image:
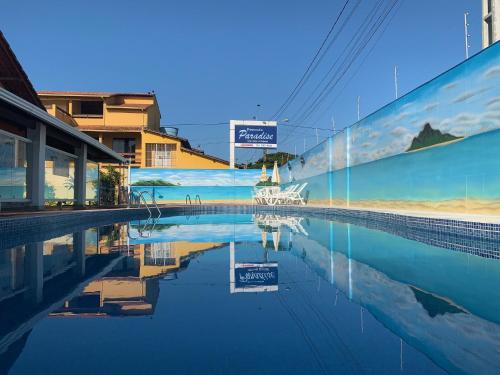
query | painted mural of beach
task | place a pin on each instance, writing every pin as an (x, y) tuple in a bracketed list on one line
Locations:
[(434, 149), (447, 178), (212, 186)]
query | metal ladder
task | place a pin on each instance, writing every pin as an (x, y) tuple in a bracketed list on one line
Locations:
[(195, 208), (197, 199), (143, 201), (150, 221)]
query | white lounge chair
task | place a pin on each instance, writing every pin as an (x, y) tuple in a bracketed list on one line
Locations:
[(294, 195), (279, 197), (262, 195)]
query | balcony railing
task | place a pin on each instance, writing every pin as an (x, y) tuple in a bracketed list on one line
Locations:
[(62, 115), (134, 157)]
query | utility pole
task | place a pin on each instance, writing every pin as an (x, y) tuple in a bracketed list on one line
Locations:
[(333, 124), (467, 36), (264, 150), (359, 98), (317, 137), (396, 80)]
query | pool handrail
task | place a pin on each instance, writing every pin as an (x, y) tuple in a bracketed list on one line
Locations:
[(153, 200)]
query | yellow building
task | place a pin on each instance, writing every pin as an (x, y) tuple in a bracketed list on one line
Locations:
[(129, 123)]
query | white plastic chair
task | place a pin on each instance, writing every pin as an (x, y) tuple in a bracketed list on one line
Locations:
[(295, 197), (283, 196)]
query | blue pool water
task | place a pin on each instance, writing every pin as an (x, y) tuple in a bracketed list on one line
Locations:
[(247, 294)]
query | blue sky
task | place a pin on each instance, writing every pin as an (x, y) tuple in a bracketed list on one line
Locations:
[(214, 61)]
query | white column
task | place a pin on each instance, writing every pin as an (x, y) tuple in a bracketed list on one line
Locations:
[(231, 267), (36, 165), (81, 175), (231, 144), (34, 274), (490, 20), (79, 251)]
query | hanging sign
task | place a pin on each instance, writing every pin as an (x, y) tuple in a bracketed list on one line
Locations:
[(256, 136)]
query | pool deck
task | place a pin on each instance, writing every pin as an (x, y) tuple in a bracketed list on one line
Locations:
[(475, 218)]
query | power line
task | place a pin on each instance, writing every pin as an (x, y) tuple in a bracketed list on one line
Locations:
[(347, 62), (197, 124), (347, 51), (356, 71), (348, 17), (306, 73)]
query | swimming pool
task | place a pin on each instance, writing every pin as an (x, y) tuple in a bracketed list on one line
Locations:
[(231, 293)]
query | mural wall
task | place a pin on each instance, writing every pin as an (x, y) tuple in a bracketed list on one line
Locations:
[(211, 185), (436, 148)]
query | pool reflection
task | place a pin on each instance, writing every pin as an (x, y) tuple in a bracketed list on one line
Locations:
[(344, 296)]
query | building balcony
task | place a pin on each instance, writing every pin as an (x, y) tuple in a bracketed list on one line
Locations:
[(134, 157)]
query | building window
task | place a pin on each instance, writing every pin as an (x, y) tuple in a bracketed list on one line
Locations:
[(160, 155), (88, 108), (60, 167), (159, 254), (13, 164), (59, 175), (124, 145), (7, 152)]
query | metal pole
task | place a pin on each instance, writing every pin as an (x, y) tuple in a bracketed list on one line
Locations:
[(396, 80), (358, 108), (231, 267), (466, 31), (231, 144), (317, 137)]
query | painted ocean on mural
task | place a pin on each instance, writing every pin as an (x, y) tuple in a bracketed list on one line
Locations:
[(210, 185), (434, 148), (12, 183), (213, 228)]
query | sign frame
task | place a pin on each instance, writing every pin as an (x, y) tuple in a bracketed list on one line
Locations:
[(260, 285), (251, 124)]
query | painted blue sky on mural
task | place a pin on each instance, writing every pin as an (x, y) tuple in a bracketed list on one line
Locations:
[(199, 177), (463, 101)]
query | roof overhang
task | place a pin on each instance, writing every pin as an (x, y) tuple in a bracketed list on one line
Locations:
[(90, 94), (44, 117), (203, 155), (12, 75)]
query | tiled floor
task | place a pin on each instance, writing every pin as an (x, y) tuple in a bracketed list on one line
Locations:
[(494, 219)]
